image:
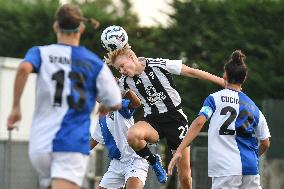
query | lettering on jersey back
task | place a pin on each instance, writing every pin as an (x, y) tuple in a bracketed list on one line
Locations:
[(59, 60), (229, 99)]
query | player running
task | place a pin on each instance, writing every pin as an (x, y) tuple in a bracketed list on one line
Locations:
[(69, 79)]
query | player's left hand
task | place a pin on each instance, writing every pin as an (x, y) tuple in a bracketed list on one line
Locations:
[(13, 118), (177, 156)]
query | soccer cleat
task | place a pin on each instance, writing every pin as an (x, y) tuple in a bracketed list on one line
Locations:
[(159, 170)]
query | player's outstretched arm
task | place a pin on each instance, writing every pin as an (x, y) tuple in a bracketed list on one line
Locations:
[(200, 74), (23, 72), (193, 131)]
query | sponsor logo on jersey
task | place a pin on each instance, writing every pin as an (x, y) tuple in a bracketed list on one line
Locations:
[(154, 96)]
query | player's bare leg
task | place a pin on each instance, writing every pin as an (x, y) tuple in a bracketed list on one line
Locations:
[(137, 136), (58, 183), (140, 133), (184, 171), (134, 183)]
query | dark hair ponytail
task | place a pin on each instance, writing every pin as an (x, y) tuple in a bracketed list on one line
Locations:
[(93, 22), (236, 68), (238, 57), (70, 16)]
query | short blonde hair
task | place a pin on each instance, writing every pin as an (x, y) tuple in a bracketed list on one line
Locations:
[(112, 55)]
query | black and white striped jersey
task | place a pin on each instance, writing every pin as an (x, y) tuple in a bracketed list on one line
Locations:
[(155, 86)]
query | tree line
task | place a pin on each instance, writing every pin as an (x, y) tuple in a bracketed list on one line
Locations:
[(201, 32)]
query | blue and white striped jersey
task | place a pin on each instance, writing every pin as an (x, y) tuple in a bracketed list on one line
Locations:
[(68, 82), (111, 130), (235, 127)]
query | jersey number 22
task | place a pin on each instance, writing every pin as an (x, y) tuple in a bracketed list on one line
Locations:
[(241, 129)]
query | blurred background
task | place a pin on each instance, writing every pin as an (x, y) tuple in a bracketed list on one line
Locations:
[(203, 33)]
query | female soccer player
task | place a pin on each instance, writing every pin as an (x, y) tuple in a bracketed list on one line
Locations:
[(151, 80), (69, 78), (126, 167), (235, 127)]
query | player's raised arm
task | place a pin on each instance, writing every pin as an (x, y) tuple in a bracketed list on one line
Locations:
[(200, 74), (176, 67)]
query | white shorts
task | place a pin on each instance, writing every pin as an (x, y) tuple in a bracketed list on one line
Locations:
[(119, 172), (236, 182), (65, 165)]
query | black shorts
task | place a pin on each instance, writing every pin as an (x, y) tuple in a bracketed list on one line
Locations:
[(172, 125)]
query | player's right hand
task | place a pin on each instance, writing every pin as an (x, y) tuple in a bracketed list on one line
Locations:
[(13, 118), (177, 156)]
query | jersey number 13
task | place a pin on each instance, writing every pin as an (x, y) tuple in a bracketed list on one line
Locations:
[(78, 85)]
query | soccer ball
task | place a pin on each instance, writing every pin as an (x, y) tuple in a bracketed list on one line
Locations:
[(114, 37)]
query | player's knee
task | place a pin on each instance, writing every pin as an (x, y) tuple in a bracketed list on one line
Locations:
[(185, 177), (132, 137), (185, 180)]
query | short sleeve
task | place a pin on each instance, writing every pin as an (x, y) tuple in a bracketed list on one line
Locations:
[(97, 135), (208, 107), (33, 56), (262, 130), (108, 90), (174, 66)]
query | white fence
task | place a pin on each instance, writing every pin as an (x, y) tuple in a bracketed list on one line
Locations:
[(8, 67)]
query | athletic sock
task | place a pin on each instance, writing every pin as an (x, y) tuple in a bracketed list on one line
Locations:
[(147, 154)]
